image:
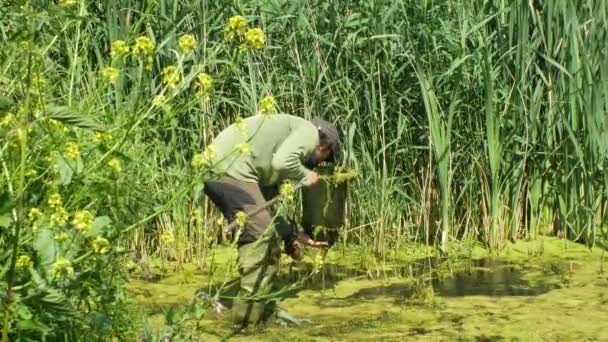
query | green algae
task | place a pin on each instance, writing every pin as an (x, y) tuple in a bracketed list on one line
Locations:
[(399, 301)]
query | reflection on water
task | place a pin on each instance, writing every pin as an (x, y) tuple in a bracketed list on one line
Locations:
[(484, 277), (491, 278)]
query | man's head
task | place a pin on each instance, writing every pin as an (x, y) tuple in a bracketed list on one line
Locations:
[(329, 143)]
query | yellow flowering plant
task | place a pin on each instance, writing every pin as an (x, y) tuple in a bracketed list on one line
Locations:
[(102, 137), (203, 85), (241, 219), (144, 49), (171, 76), (187, 44), (57, 152), (72, 150), (267, 104), (235, 28), (82, 221), (24, 261), (110, 74), (119, 49), (255, 38), (115, 166)]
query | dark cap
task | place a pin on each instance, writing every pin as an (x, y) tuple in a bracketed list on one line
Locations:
[(330, 134)]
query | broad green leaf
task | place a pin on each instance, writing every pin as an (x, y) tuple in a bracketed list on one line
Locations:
[(46, 247), (197, 192), (5, 221), (99, 226), (5, 103), (65, 171), (33, 325), (70, 117), (53, 300)]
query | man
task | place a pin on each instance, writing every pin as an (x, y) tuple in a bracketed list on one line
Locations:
[(255, 156)]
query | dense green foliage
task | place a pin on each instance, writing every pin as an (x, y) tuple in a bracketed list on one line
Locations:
[(464, 119)]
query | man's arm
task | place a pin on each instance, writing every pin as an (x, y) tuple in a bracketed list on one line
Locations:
[(287, 158)]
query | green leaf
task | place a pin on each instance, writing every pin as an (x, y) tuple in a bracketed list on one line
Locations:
[(5, 203), (70, 117), (23, 312), (66, 172), (46, 247), (99, 226), (5, 221), (33, 326), (5, 103), (197, 192)]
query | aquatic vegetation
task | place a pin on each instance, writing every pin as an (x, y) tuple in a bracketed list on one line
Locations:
[(448, 307)]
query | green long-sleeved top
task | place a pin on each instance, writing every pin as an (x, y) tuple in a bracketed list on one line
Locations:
[(278, 146)]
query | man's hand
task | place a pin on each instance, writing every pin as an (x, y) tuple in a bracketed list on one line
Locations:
[(296, 251), (313, 178), (304, 240)]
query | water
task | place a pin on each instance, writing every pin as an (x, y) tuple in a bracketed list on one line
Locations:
[(492, 278), (484, 277)]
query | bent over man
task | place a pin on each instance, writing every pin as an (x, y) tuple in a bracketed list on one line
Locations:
[(255, 156)]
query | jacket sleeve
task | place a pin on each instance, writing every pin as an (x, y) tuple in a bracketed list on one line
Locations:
[(287, 158)]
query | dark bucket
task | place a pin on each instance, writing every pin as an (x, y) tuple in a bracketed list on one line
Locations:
[(324, 207)]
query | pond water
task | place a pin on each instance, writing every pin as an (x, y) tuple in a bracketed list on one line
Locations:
[(559, 294)]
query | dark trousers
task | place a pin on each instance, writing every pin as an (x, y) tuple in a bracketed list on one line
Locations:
[(259, 249)]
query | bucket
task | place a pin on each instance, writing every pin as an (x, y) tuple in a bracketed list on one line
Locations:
[(324, 204)]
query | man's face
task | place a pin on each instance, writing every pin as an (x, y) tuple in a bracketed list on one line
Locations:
[(320, 154)]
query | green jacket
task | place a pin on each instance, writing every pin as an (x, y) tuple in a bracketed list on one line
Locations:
[(278, 145)]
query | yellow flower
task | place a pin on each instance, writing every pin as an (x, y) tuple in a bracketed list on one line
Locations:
[(171, 76), (197, 161), (219, 221), (54, 201), (72, 150), (203, 84), (67, 3), (241, 125), (110, 74), (100, 245), (241, 219), (115, 166), (101, 137), (287, 191), (144, 47), (235, 28), (61, 236), (62, 268), (82, 221), (24, 261), (267, 104), (167, 237), (204, 159), (31, 173), (119, 49), (34, 214), (187, 43), (243, 148), (318, 263), (7, 120), (196, 216), (209, 152), (59, 217), (159, 101), (55, 124), (254, 38)]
